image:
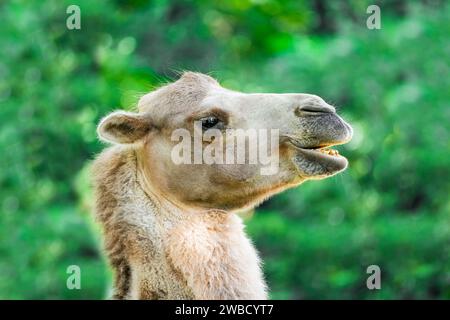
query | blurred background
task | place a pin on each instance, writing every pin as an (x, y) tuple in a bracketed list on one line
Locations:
[(390, 208)]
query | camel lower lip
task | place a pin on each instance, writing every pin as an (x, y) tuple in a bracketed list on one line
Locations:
[(320, 161)]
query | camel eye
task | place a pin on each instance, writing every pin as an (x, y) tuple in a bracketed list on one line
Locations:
[(209, 122)]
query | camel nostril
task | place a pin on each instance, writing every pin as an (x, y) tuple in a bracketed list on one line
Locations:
[(309, 109), (312, 110)]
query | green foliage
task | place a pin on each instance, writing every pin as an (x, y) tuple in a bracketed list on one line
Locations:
[(390, 208), (328, 259)]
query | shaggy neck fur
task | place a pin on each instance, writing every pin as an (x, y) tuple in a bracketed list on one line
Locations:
[(160, 249)]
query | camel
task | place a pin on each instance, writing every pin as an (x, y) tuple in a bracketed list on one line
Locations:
[(172, 231)]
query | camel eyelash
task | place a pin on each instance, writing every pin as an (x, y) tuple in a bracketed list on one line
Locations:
[(217, 113)]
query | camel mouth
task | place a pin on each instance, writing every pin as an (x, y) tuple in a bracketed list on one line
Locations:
[(318, 160), (323, 148)]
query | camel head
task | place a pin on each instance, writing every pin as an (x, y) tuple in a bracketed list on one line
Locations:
[(304, 127)]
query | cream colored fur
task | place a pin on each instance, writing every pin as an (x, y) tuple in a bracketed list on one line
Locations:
[(173, 253)]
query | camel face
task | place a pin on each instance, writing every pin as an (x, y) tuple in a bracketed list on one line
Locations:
[(304, 124)]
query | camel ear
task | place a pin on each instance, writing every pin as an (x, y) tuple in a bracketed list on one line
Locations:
[(123, 127)]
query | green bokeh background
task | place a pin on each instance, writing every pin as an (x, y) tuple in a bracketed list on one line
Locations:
[(390, 208)]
